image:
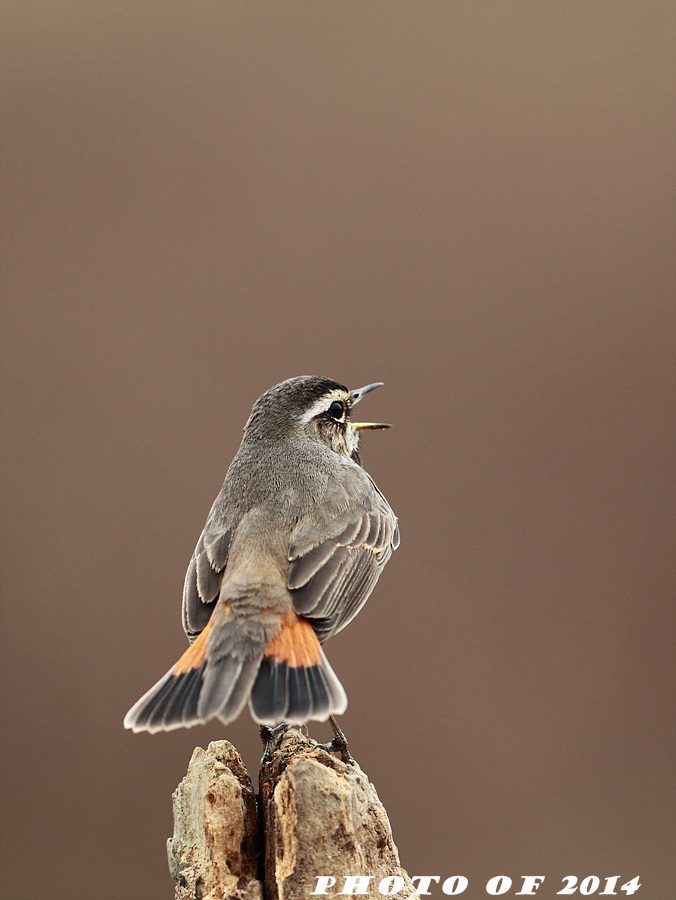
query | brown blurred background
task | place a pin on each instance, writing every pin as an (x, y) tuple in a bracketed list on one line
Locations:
[(472, 202)]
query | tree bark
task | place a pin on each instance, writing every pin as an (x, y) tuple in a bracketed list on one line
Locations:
[(315, 816)]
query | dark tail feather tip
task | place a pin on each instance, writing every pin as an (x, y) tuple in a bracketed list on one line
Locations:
[(165, 706), (285, 693)]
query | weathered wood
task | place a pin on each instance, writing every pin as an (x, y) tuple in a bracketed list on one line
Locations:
[(213, 854), (322, 817), (316, 815)]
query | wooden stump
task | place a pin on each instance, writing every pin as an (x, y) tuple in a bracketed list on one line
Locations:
[(315, 816), (214, 851)]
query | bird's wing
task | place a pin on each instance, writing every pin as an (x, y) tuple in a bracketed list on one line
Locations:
[(203, 578), (331, 579)]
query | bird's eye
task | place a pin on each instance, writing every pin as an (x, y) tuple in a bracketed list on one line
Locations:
[(336, 410)]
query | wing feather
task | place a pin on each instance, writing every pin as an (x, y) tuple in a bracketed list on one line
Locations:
[(331, 579), (217, 545), (305, 567), (208, 581), (203, 579)]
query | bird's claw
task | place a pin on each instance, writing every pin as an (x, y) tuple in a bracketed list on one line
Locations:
[(268, 737), (338, 744)]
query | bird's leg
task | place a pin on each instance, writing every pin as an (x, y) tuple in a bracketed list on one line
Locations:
[(339, 743), (268, 736)]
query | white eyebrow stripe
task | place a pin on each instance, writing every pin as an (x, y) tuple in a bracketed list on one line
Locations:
[(322, 405)]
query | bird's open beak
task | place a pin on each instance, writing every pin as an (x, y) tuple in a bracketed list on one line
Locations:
[(359, 393), (356, 397)]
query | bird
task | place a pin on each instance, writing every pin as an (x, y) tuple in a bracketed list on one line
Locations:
[(291, 550)]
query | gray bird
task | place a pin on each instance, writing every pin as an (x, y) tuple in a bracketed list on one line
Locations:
[(292, 548)]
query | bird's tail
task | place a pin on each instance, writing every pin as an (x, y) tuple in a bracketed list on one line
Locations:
[(295, 682), (289, 681)]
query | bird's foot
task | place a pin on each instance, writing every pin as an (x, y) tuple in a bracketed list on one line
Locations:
[(338, 744), (269, 736)]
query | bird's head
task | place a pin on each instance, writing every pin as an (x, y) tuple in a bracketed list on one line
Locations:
[(314, 406)]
